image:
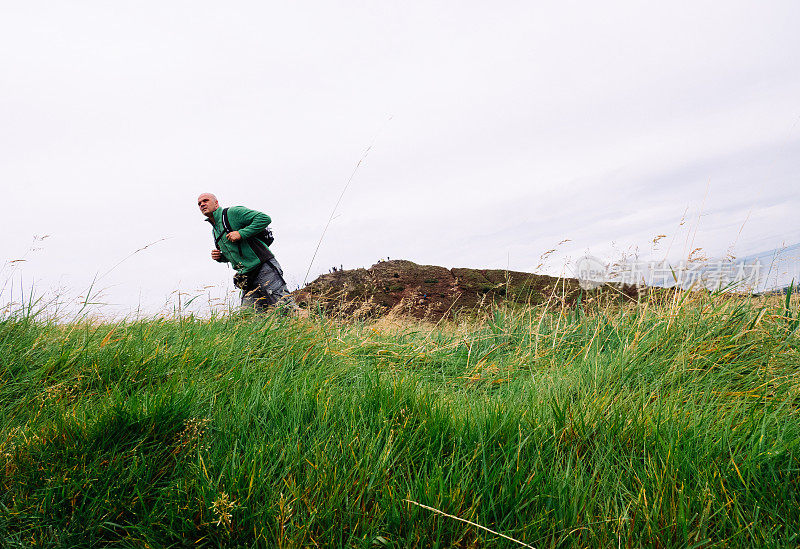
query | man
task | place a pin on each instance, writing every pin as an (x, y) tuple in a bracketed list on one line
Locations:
[(258, 273)]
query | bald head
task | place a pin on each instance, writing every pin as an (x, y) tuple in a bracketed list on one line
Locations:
[(207, 203)]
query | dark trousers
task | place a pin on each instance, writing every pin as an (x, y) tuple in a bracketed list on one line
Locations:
[(266, 288)]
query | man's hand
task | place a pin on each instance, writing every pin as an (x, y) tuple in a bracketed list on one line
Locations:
[(216, 255), (234, 236)]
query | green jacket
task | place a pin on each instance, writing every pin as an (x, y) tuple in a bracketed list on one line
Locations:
[(248, 222)]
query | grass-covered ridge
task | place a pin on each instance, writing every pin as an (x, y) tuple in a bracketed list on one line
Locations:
[(659, 424)]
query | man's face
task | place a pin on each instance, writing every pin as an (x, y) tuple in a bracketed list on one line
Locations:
[(207, 203)]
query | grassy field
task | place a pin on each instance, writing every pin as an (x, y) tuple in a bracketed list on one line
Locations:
[(663, 424)]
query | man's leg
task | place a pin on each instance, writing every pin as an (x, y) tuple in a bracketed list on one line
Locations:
[(280, 291), (268, 289)]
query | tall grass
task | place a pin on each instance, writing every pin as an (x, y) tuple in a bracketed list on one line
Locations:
[(672, 422)]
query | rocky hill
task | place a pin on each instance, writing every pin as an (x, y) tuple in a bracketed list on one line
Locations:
[(430, 292)]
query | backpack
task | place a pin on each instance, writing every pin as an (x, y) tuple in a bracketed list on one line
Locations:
[(258, 242), (265, 236)]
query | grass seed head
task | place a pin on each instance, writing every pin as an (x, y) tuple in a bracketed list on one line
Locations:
[(192, 436), (223, 507)]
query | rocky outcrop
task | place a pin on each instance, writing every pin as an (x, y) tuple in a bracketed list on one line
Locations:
[(427, 291)]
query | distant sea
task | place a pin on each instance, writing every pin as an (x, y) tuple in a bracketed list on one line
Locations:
[(769, 271), (778, 267)]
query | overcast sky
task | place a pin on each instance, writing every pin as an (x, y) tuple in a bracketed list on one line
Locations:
[(497, 131)]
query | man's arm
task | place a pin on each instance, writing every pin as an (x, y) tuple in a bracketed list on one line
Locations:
[(251, 221)]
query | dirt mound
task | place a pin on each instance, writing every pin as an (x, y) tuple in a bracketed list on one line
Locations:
[(429, 292)]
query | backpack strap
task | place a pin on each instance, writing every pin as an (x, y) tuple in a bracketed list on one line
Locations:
[(225, 223), (226, 227)]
